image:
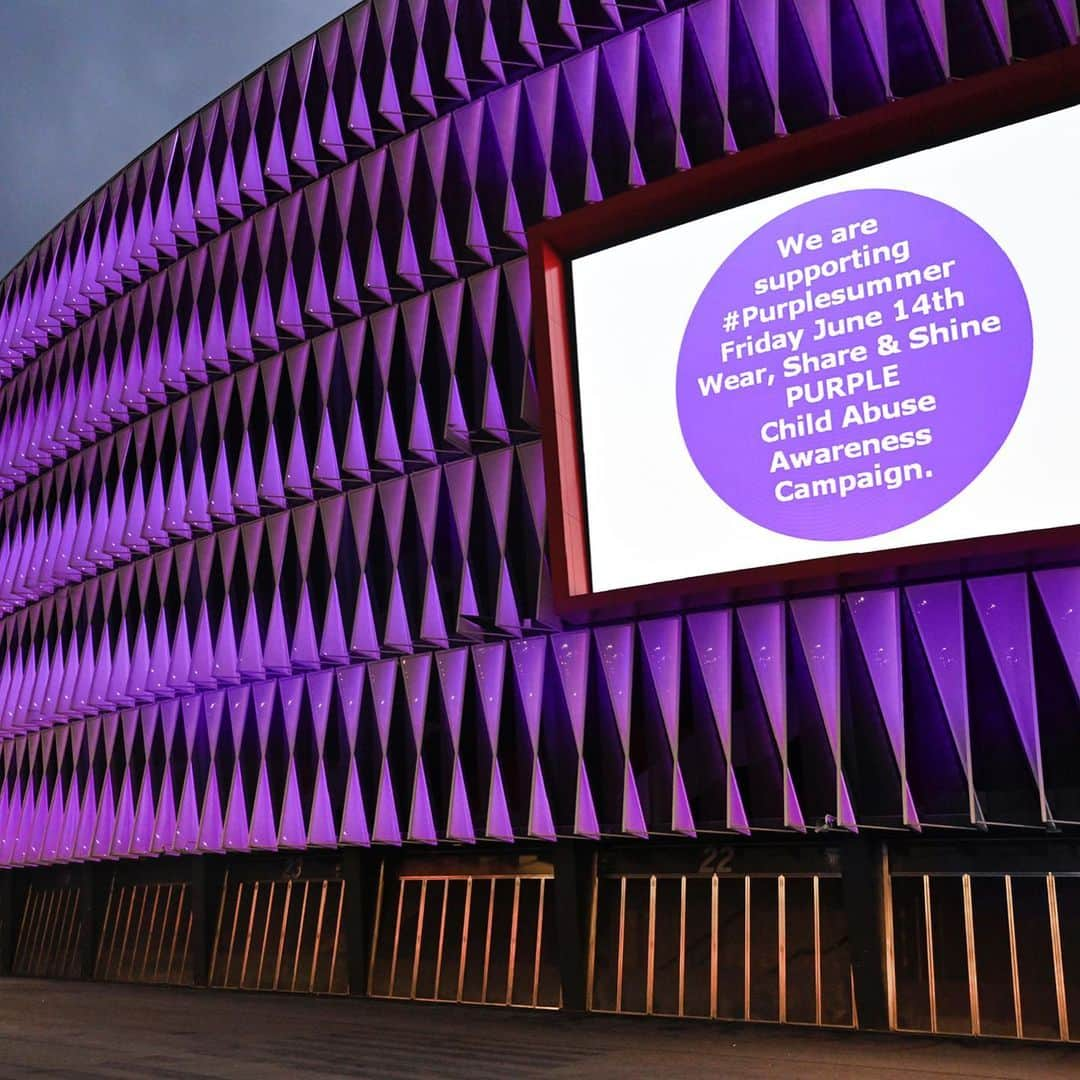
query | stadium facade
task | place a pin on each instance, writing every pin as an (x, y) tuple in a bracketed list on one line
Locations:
[(285, 701)]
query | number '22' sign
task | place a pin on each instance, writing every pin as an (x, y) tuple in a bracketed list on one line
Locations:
[(716, 860)]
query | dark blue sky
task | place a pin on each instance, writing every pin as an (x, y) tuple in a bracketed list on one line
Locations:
[(89, 84)]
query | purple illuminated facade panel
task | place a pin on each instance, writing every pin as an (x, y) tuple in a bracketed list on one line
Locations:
[(272, 525)]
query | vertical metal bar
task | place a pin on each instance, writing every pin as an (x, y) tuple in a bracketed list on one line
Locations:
[(714, 948), (622, 934), (51, 960), (337, 935), (123, 963), (318, 937), (397, 934), (266, 935), (43, 931), (129, 974), (78, 938), (650, 954), (217, 931), (21, 931), (890, 942), (817, 950), (33, 930), (682, 945), (539, 942), (187, 941), (48, 954), (1059, 969), (25, 921), (50, 948), (746, 948), (969, 940), (464, 939), (176, 932), (513, 942), (299, 937), (30, 927), (64, 929), (116, 947), (240, 886), (442, 936), (40, 903), (373, 952), (487, 940), (105, 925), (57, 900), (74, 924), (250, 931), (419, 939), (1013, 957), (929, 925), (781, 944), (591, 969), (150, 932), (138, 930), (111, 962), (65, 920), (55, 949), (164, 929), (165, 891), (56, 897), (281, 936), (43, 928)]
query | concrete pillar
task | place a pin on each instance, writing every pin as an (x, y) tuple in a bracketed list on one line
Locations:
[(862, 869), (360, 869), (206, 883), (7, 921), (90, 879), (574, 862)]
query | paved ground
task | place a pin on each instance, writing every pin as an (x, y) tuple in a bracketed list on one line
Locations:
[(78, 1030)]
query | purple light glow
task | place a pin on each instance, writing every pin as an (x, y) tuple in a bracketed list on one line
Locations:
[(272, 520)]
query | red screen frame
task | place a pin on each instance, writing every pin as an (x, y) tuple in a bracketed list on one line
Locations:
[(939, 116)]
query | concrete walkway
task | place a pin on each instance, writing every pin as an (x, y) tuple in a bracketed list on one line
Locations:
[(76, 1030)]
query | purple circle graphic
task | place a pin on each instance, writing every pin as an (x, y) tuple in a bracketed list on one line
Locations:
[(854, 364)]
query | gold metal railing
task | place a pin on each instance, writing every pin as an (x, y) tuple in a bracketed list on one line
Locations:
[(472, 939), (284, 935), (50, 932), (984, 954), (721, 946), (146, 934)]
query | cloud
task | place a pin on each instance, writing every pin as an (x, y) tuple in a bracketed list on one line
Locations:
[(89, 85)]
